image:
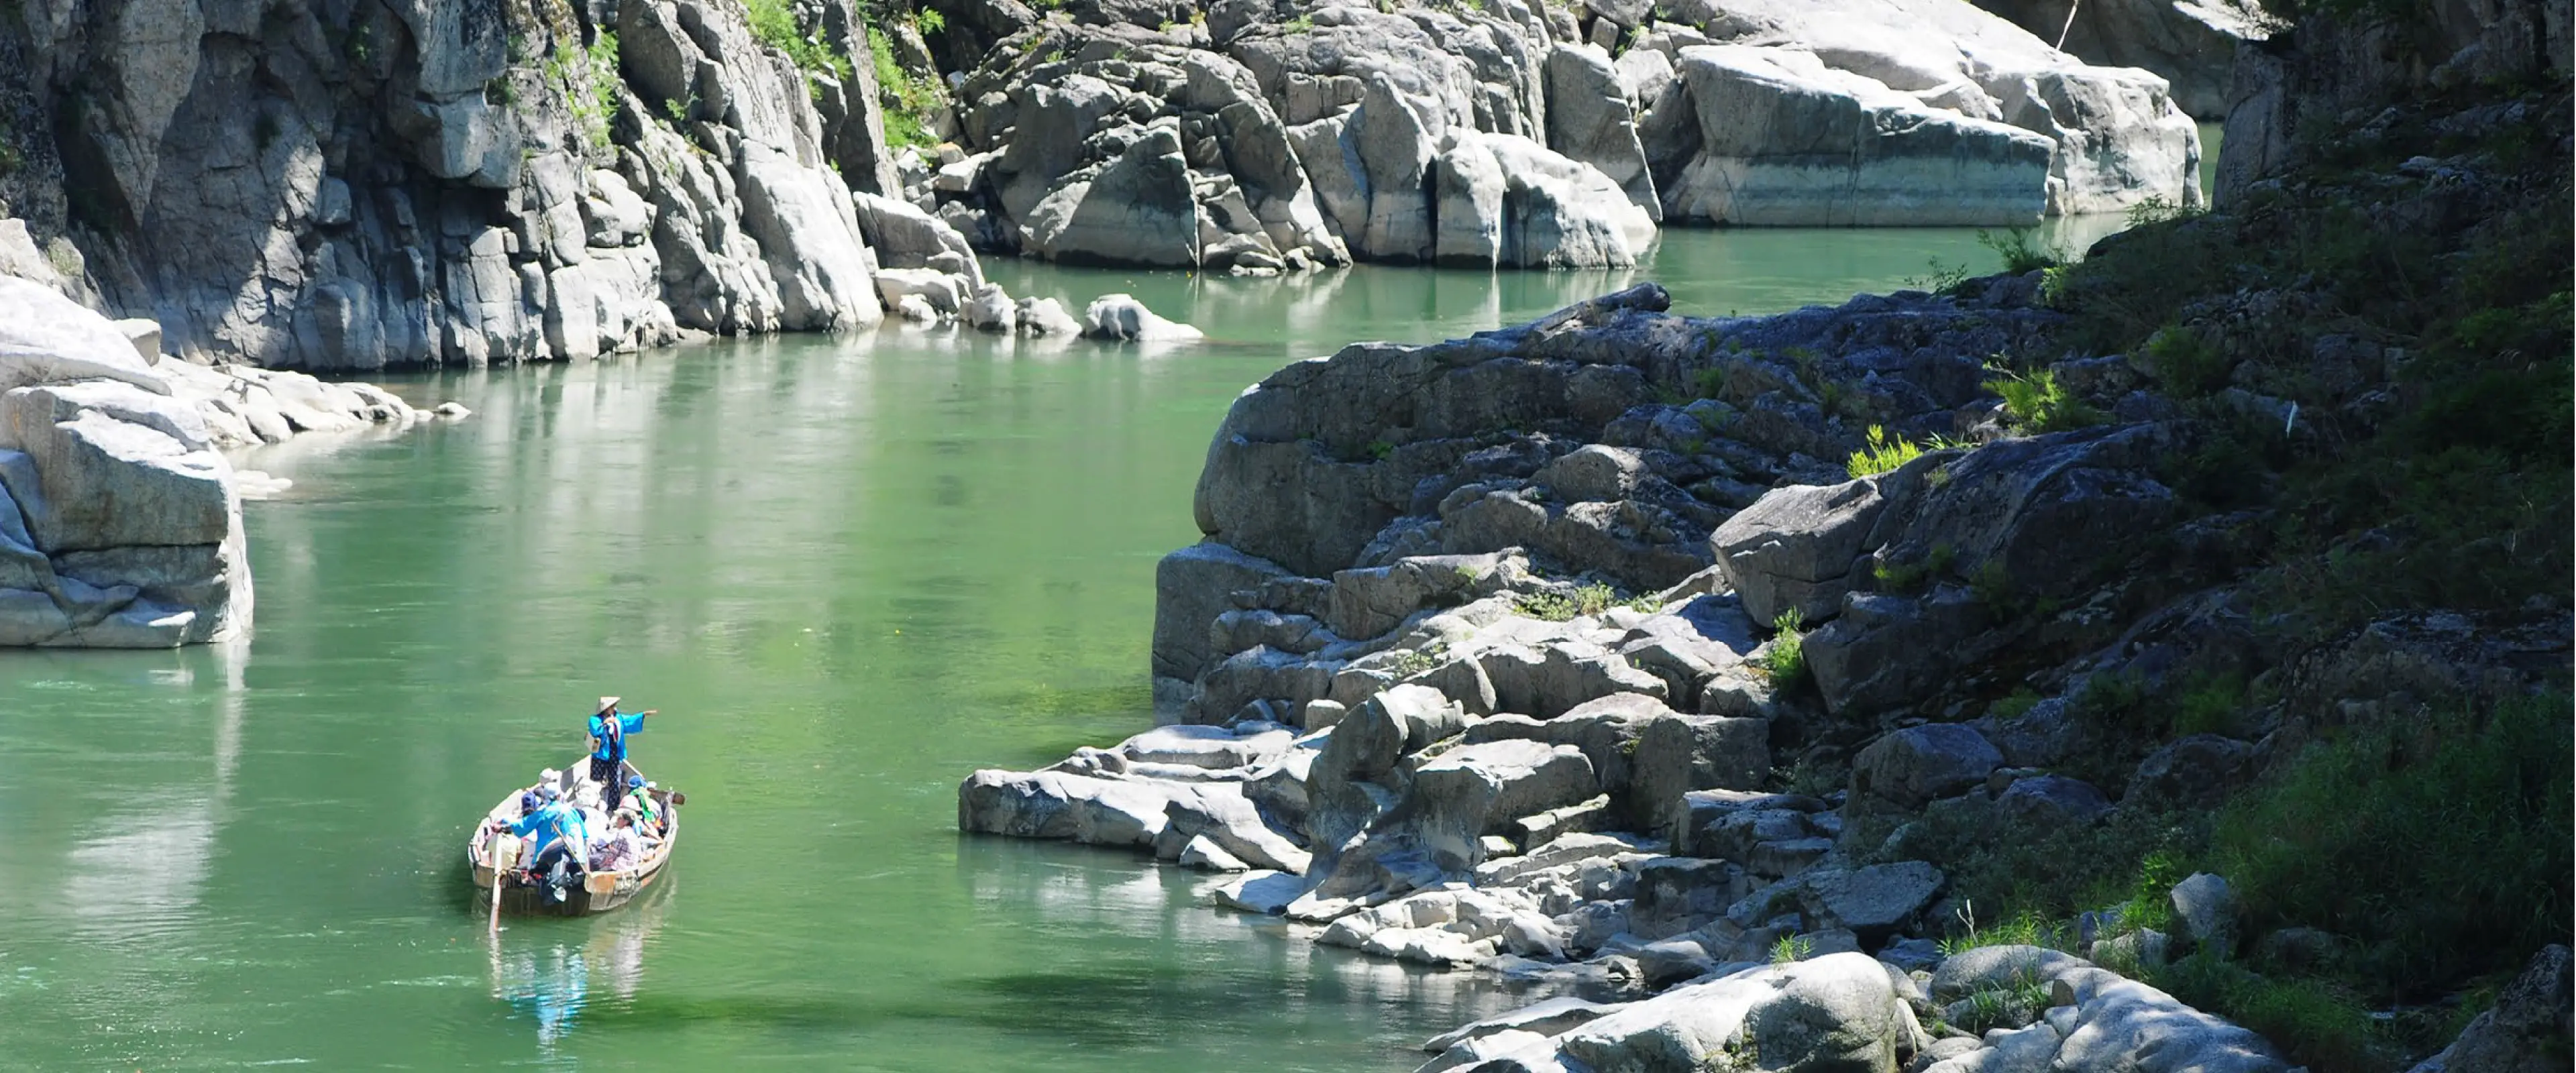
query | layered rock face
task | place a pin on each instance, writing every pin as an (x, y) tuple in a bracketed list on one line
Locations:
[(1902, 101), (2192, 43), (498, 180), (120, 526), (1505, 135)]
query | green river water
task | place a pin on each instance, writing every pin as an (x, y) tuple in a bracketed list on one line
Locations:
[(849, 571)]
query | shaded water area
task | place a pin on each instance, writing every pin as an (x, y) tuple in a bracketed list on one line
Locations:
[(848, 571)]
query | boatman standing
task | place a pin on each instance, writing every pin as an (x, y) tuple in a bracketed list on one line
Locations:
[(608, 730)]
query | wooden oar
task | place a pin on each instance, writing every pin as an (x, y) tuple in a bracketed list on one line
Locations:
[(491, 850)]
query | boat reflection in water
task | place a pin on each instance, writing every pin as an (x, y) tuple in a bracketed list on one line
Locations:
[(549, 970)]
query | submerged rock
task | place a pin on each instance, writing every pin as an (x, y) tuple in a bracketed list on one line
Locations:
[(1122, 317)]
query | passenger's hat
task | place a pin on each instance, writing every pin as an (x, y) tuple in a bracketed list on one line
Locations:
[(606, 703)]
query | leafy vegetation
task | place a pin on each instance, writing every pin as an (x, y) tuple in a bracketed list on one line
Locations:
[(2184, 364), (1591, 599), (589, 81), (774, 23), (2038, 404), (1787, 657), (908, 102), (2369, 824), (1911, 577), (1940, 277), (2014, 1004), (1883, 454), (1413, 661), (2437, 849), (2021, 251), (1791, 948)]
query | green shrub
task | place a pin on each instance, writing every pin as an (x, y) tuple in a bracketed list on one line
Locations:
[(2118, 701), (2438, 844), (2015, 1003), (2156, 209), (2015, 706), (2186, 365), (1413, 661), (928, 21), (1911, 577), (1591, 599), (2021, 252), (1791, 948), (2023, 928), (2320, 1025), (2038, 404), (1942, 278), (774, 23), (588, 78), (1787, 659), (1993, 587), (1882, 455), (1885, 454), (2210, 705), (907, 101)]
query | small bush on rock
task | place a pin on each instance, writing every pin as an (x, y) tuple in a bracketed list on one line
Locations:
[(1791, 948), (2185, 364), (1787, 659), (1882, 455), (2021, 252), (775, 25), (1591, 599), (2039, 404), (908, 101)]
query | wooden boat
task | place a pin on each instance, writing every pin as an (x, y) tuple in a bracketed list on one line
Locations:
[(599, 892)]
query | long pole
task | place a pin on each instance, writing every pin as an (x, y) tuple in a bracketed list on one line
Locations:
[(491, 850)]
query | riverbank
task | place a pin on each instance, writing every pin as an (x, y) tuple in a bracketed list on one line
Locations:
[(1635, 651)]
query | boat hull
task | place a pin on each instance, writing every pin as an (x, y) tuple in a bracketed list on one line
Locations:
[(599, 892)]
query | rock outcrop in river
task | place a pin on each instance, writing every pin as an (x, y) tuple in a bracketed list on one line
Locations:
[(119, 523), (120, 520), (1729, 672), (1418, 704)]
